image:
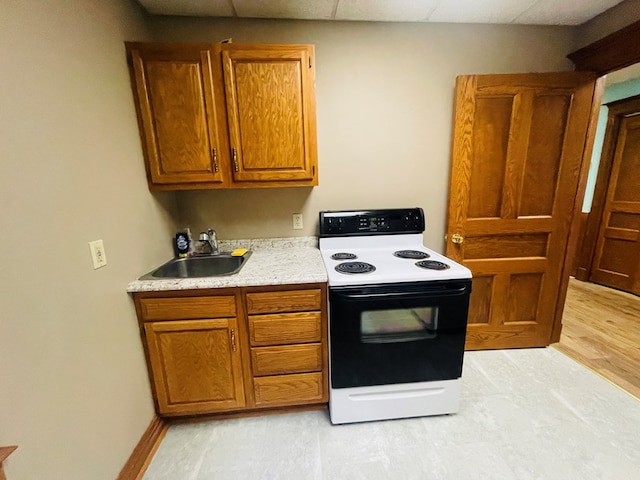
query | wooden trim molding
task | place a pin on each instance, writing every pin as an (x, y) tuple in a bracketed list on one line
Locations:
[(575, 262), (4, 453), (613, 52), (144, 451), (576, 220)]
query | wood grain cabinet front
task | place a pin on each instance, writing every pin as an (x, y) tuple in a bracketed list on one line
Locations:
[(179, 99), (236, 349), (195, 365), (288, 342), (194, 352), (225, 115), (270, 97)]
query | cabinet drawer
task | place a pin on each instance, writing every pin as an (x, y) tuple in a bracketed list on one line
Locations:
[(284, 301), (285, 328), (289, 389), (286, 359), (184, 308)]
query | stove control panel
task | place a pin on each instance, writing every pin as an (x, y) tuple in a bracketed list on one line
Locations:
[(371, 222)]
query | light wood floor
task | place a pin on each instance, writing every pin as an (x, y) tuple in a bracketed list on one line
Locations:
[(601, 330)]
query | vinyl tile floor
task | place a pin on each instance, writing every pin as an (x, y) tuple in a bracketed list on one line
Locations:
[(524, 414)]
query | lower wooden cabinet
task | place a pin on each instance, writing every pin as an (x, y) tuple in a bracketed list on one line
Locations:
[(196, 365), (226, 350)]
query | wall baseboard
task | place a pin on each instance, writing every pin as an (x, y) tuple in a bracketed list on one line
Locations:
[(145, 450)]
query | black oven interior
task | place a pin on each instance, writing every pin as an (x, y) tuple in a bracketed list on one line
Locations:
[(397, 333)]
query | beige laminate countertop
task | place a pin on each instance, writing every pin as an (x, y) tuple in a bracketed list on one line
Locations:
[(274, 261)]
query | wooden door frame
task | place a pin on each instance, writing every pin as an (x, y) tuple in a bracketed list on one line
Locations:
[(613, 52), (618, 110)]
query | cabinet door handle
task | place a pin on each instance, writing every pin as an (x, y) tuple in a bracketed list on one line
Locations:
[(234, 154), (214, 158), (233, 340)]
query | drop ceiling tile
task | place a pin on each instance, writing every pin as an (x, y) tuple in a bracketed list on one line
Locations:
[(554, 12), (385, 10), (199, 8), (486, 11), (303, 9)]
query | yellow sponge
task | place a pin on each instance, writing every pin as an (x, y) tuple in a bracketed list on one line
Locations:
[(239, 252)]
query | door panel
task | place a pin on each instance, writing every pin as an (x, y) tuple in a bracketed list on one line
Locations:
[(617, 258), (271, 110), (518, 146), (196, 366), (480, 301), (178, 112)]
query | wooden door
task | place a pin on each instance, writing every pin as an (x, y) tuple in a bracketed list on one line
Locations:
[(517, 153), (180, 107), (196, 366), (270, 95), (616, 262)]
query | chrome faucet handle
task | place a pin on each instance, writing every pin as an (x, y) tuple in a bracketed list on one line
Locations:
[(213, 241)]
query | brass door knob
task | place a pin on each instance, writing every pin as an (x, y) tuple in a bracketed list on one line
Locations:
[(457, 238)]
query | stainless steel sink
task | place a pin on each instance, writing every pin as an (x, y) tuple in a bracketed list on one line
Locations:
[(194, 267)]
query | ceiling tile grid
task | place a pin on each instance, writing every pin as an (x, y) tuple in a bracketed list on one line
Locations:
[(385, 10), (571, 12), (532, 12), (196, 8), (485, 11), (301, 10)]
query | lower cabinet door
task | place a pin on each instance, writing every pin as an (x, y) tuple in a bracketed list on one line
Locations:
[(196, 366)]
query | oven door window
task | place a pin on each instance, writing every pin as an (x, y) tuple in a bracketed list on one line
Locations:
[(398, 325)]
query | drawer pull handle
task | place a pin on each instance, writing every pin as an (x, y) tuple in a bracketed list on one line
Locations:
[(233, 340)]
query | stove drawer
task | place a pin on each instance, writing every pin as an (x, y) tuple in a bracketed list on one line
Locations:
[(286, 359), (285, 328), (289, 389), (284, 301)]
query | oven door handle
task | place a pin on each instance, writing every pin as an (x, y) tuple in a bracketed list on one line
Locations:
[(403, 295)]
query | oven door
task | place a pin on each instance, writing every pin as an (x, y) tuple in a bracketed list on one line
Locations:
[(397, 333)]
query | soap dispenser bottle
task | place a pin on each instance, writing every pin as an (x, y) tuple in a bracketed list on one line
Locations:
[(182, 243)]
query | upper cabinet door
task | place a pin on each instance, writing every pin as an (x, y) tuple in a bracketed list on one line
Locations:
[(270, 97), (177, 89)]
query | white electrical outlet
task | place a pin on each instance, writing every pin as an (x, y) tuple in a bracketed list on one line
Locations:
[(297, 221), (97, 254)]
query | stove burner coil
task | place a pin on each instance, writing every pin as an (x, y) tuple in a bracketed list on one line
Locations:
[(412, 254), (355, 267), (344, 256), (432, 265)]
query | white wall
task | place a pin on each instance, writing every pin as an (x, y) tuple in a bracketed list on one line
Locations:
[(74, 393), (384, 110)]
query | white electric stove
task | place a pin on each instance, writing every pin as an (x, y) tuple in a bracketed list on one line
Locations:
[(397, 317)]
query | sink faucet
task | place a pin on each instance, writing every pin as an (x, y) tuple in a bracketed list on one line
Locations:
[(213, 241), (209, 238)]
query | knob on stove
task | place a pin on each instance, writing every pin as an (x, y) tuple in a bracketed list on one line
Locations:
[(410, 221), (334, 224)]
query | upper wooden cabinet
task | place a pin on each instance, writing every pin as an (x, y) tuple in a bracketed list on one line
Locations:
[(270, 96), (180, 104), (225, 115)]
